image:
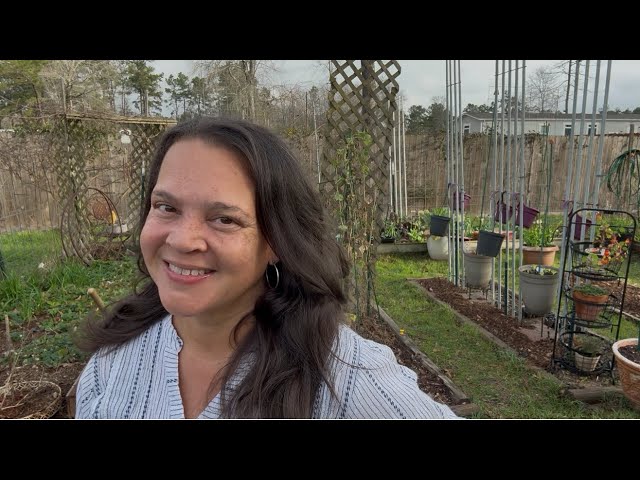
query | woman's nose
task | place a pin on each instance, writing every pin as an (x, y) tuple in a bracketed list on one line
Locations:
[(187, 236)]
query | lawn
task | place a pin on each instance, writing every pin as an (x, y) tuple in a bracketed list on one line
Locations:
[(502, 384), (45, 305)]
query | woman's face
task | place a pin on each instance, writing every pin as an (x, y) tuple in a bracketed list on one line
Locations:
[(201, 242)]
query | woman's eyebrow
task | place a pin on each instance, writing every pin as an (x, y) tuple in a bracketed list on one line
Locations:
[(164, 195)]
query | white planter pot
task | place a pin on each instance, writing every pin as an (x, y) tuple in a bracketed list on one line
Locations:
[(584, 363), (538, 291), (438, 247), (477, 270)]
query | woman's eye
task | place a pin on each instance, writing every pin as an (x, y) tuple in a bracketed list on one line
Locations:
[(164, 208), (226, 220)]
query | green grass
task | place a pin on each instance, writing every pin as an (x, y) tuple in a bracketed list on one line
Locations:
[(45, 306), (22, 252), (500, 383), (634, 270)]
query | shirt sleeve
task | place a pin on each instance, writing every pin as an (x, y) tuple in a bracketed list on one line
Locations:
[(91, 386), (382, 388)]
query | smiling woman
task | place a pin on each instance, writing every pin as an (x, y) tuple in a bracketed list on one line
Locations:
[(241, 315)]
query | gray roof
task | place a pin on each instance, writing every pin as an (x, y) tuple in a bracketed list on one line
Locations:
[(557, 116)]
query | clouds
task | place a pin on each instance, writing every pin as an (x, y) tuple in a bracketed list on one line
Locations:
[(421, 81)]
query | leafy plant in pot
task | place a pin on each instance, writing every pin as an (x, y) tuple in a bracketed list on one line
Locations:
[(439, 221), (538, 245), (589, 301), (587, 350), (389, 232)]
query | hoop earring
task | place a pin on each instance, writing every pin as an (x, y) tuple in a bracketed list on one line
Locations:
[(266, 276)]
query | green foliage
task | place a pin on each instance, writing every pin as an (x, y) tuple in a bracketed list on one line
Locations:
[(590, 289), (539, 235), (540, 270), (354, 206), (179, 91), (23, 252), (45, 306), (416, 120), (390, 230), (426, 120), (21, 88), (440, 211), (416, 235), (472, 108), (589, 345), (146, 84)]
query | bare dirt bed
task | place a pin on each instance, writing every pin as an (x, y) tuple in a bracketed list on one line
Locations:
[(63, 376)]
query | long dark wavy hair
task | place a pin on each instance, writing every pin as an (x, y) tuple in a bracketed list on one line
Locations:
[(296, 324)]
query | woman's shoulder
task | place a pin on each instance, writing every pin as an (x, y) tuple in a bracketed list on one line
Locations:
[(158, 331), (370, 383), (367, 353)]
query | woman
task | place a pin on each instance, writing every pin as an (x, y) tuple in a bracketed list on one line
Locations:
[(242, 313)]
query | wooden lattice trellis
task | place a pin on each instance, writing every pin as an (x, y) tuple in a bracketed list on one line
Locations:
[(355, 164), (77, 139), (362, 98)]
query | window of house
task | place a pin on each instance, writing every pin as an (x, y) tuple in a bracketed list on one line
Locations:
[(467, 128), (567, 129), (544, 129), (595, 129)]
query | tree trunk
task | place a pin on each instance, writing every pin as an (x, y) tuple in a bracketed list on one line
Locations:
[(252, 90), (566, 100)]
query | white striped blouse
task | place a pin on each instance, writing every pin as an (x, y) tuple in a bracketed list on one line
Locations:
[(139, 379)]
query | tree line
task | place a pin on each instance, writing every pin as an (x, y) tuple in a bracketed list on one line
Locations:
[(35, 88)]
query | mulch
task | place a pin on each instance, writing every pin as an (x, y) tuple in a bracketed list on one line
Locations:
[(494, 320)]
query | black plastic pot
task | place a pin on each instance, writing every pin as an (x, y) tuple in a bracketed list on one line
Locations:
[(439, 225), (489, 243)]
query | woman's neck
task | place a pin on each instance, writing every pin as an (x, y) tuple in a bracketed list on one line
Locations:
[(213, 339)]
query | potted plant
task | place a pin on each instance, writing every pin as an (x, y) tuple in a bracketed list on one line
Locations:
[(589, 301), (538, 285), (587, 350), (439, 221), (389, 232), (627, 356), (538, 246)]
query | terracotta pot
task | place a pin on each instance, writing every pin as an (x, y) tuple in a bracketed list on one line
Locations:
[(538, 256), (629, 372), (589, 307)]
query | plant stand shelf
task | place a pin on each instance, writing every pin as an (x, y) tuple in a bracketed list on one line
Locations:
[(594, 259)]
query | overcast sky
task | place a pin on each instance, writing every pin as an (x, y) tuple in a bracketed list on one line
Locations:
[(422, 80)]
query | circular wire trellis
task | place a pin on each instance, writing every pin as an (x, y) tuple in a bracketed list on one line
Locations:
[(91, 228)]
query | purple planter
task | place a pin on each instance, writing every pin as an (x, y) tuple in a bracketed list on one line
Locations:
[(529, 214), (467, 200), (579, 221)]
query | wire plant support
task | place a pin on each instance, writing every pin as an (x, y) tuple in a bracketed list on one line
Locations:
[(594, 275)]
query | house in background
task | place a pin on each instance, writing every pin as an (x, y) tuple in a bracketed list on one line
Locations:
[(553, 123)]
